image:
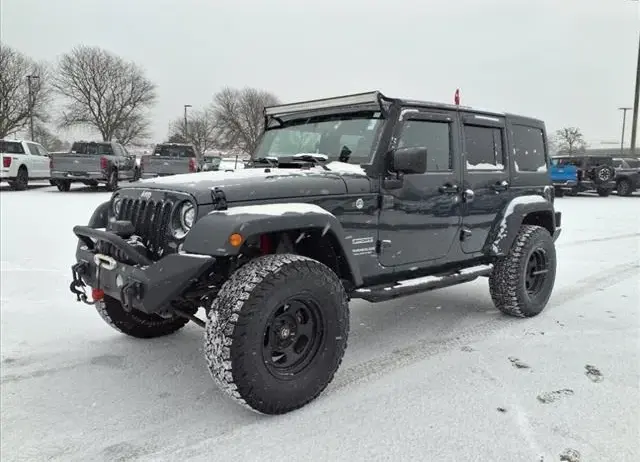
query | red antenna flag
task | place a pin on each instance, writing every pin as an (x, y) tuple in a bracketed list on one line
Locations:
[(456, 98)]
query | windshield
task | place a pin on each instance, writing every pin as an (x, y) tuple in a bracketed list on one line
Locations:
[(174, 151), (98, 149), (348, 138)]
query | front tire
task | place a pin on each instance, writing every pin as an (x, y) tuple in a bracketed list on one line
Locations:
[(277, 332), (63, 185), (136, 323), (603, 192), (521, 282)]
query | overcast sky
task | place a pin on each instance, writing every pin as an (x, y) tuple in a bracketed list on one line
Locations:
[(569, 62)]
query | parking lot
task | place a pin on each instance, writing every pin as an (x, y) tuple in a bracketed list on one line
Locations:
[(440, 376)]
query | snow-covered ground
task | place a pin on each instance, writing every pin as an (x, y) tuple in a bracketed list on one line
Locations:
[(435, 377)]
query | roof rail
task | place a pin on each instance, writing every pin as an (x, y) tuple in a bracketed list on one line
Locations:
[(372, 97)]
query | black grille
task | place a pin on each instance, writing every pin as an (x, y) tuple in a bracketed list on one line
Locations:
[(151, 219)]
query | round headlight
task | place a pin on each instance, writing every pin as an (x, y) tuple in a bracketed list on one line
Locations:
[(187, 216), (117, 203)]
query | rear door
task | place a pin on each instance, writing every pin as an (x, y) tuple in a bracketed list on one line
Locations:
[(35, 161), (486, 177), (43, 159)]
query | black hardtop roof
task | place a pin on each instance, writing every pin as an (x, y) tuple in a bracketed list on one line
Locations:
[(375, 98)]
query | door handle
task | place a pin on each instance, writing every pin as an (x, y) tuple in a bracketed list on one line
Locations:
[(500, 185), (449, 189)]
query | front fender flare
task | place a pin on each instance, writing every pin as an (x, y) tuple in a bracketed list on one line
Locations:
[(507, 224), (210, 234)]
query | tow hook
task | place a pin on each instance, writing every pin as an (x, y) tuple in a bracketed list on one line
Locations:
[(77, 286)]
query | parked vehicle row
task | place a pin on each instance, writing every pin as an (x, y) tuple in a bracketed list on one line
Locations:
[(574, 174), (95, 163)]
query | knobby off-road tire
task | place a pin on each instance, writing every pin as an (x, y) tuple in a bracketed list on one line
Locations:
[(603, 192), (136, 323), (514, 288), (245, 327)]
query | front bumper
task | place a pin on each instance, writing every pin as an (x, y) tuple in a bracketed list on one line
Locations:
[(146, 286), (568, 184)]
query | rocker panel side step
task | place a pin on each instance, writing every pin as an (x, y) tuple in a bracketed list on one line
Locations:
[(384, 292)]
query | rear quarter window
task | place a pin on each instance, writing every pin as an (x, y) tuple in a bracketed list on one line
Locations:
[(529, 150), (11, 147)]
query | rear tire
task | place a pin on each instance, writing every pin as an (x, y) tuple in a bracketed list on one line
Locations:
[(603, 192), (559, 192), (22, 179), (517, 284), (624, 188), (277, 332), (63, 186), (112, 182), (136, 323)]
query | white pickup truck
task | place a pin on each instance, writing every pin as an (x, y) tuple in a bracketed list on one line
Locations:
[(23, 161)]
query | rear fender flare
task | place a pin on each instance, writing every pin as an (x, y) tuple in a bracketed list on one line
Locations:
[(508, 222), (210, 234)]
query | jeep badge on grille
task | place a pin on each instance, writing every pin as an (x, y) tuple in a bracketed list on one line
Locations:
[(145, 195)]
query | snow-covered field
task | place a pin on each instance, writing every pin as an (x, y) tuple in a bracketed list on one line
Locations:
[(435, 377)]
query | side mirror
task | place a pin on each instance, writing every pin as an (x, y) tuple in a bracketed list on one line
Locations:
[(409, 160)]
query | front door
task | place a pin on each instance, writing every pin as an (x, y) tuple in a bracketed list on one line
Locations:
[(420, 217), (486, 177)]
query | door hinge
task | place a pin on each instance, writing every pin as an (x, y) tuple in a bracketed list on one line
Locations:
[(465, 233), (378, 246)]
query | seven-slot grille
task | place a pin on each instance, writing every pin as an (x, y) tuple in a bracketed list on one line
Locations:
[(151, 220)]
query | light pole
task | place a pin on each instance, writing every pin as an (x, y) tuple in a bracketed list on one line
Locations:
[(624, 122), (185, 120), (31, 102), (636, 98)]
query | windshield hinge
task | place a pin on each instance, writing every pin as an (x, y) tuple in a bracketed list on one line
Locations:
[(219, 199)]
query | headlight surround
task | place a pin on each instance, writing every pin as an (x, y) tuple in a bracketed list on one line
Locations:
[(187, 216), (116, 204)]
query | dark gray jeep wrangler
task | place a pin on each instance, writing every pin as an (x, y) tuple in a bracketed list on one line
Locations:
[(359, 196)]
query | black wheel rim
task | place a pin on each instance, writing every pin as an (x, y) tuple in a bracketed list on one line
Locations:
[(536, 272), (292, 337)]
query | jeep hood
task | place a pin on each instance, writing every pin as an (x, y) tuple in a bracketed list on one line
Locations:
[(265, 183)]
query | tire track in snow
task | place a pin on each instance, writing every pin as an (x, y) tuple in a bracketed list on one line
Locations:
[(427, 347), (599, 239)]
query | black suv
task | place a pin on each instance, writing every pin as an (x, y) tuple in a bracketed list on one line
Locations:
[(359, 196), (627, 175)]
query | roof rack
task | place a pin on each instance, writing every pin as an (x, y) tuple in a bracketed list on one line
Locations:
[(372, 97)]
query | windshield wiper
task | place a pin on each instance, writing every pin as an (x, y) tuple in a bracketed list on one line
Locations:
[(311, 158)]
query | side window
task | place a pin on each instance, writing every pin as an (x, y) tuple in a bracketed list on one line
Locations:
[(435, 136), (484, 146), (43, 152), (529, 149), (33, 150)]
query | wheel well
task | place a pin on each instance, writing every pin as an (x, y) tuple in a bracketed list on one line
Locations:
[(23, 167), (316, 243), (542, 218)]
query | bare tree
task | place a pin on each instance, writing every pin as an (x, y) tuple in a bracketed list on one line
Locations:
[(104, 91), (202, 130), (45, 137), (16, 102), (135, 131), (240, 116), (570, 140)]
